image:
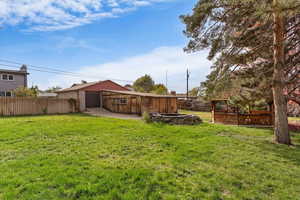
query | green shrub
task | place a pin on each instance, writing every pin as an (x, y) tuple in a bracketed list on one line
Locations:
[(146, 117)]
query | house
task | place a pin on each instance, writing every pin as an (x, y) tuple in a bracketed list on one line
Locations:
[(130, 102), (116, 98), (46, 94), (11, 80), (129, 87), (88, 94)]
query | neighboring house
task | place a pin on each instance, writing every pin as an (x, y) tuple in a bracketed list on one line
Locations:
[(47, 94), (88, 95), (129, 87), (11, 80)]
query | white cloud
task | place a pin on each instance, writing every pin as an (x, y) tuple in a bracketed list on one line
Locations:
[(154, 63), (50, 15)]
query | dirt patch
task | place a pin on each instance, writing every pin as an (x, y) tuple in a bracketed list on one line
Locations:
[(100, 112)]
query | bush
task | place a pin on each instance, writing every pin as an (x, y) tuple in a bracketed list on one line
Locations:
[(146, 117)]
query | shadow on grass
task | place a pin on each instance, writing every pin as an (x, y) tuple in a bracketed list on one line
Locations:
[(291, 153)]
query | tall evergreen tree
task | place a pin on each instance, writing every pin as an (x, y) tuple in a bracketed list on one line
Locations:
[(253, 41)]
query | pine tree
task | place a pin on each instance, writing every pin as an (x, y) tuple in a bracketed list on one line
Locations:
[(251, 42)]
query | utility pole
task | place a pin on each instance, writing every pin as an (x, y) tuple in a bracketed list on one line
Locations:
[(167, 80), (187, 83)]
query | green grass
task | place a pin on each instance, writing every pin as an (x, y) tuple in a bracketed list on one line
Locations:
[(83, 157), (205, 116), (294, 119)]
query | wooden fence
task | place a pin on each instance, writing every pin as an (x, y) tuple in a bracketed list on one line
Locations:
[(223, 113), (14, 106), (235, 118)]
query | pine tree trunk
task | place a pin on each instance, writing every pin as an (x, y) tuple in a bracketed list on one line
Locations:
[(281, 129)]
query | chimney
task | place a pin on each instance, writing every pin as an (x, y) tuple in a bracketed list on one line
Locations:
[(23, 68), (173, 93)]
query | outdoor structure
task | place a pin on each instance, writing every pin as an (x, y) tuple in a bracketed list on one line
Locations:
[(130, 102), (87, 95), (223, 113), (11, 80)]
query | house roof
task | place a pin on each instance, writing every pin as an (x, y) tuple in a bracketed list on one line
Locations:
[(77, 87), (140, 94), (47, 94), (13, 71), (87, 85)]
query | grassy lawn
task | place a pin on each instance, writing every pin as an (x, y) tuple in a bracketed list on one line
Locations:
[(205, 116), (83, 157), (294, 119)]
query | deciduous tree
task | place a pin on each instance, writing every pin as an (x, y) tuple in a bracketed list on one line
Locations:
[(160, 89), (144, 84)]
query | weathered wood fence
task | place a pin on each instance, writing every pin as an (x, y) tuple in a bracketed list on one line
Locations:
[(235, 118), (231, 115), (14, 106)]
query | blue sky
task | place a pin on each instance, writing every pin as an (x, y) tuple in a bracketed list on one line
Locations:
[(100, 39)]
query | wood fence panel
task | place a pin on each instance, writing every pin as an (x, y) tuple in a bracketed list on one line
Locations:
[(14, 106), (264, 119)]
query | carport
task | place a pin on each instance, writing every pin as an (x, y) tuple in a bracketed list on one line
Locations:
[(88, 95), (92, 99)]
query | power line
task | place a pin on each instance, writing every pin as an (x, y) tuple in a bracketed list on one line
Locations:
[(52, 69), (56, 71), (16, 67)]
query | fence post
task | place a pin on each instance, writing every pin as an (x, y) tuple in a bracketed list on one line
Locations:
[(213, 111), (238, 116)]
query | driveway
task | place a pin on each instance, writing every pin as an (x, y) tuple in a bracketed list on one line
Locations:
[(101, 112)]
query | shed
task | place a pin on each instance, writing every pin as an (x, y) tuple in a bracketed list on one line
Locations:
[(130, 102), (88, 95)]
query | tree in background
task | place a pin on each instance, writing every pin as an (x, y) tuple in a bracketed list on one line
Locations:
[(254, 44), (160, 89), (26, 92), (144, 84), (195, 92)]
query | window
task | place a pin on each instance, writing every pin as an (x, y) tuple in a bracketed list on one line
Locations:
[(7, 77), (4, 77), (8, 94), (123, 101)]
